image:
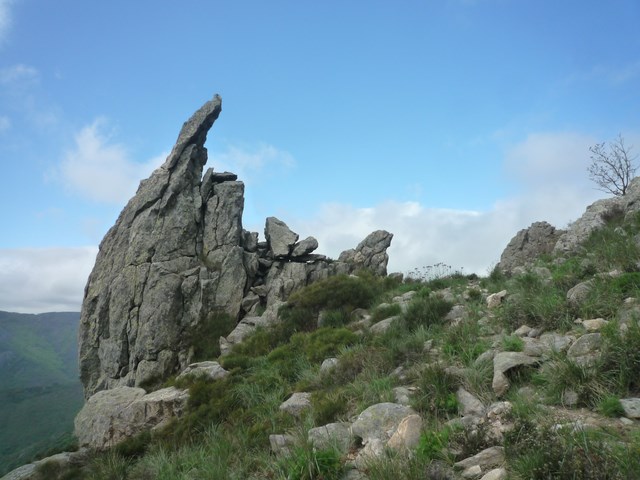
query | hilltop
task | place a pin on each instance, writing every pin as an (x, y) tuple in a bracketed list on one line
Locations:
[(206, 353)]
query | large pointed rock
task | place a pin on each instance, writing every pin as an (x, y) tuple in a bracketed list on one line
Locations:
[(370, 254), (173, 258)]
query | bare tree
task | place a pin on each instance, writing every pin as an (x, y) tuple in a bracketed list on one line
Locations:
[(612, 168)]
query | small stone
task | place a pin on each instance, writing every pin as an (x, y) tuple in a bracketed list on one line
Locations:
[(472, 472), (523, 331), (328, 364), (333, 435), (489, 457), (495, 299), (380, 421), (586, 350), (631, 407), (407, 435), (384, 325), (281, 444), (209, 370), (296, 404), (594, 325), (469, 404), (495, 474), (304, 247)]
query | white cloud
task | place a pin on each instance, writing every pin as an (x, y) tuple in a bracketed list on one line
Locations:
[(250, 163), (5, 123), (550, 158), (5, 19), (36, 280), (102, 170), (18, 74), (550, 168)]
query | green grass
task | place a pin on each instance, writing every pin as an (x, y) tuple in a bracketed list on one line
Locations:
[(225, 431)]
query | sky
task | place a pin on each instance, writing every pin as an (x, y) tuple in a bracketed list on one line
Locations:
[(451, 123)]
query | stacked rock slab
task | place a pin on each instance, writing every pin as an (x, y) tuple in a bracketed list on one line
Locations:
[(178, 255)]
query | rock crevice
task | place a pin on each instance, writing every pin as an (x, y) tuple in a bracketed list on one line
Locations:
[(178, 255)]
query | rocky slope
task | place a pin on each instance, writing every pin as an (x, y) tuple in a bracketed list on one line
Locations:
[(529, 375)]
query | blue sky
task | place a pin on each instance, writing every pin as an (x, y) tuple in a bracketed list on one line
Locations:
[(451, 123)]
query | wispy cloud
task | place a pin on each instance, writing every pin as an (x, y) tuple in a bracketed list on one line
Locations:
[(613, 75), (251, 163), (18, 74), (550, 168), (100, 169), (44, 279), (550, 158), (5, 123), (5, 19)]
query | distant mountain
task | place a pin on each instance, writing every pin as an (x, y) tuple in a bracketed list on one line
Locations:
[(40, 390), (38, 350)]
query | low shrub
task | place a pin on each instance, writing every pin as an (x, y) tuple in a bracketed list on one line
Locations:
[(205, 336), (610, 406), (512, 343), (437, 392), (305, 463), (540, 452), (426, 310)]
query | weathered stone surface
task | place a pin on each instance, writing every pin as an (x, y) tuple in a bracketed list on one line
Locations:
[(505, 361), (527, 245), (631, 407), (555, 342), (495, 474), (577, 295), (591, 220), (333, 435), (594, 324), (370, 254), (380, 421), (468, 404), (246, 327), (495, 299), (586, 349), (209, 370), (175, 244), (328, 364), (304, 247), (25, 472), (488, 458), (384, 325), (279, 237), (281, 444), (296, 404), (110, 416), (456, 314), (407, 435), (62, 462)]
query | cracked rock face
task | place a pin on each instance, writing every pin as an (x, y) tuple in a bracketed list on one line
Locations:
[(173, 256), (178, 255)]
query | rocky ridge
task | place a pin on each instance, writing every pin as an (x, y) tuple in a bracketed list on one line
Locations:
[(178, 256), (507, 337)]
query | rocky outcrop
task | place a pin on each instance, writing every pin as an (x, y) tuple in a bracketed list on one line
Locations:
[(178, 256), (173, 257), (371, 253), (596, 216), (527, 245), (111, 416)]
